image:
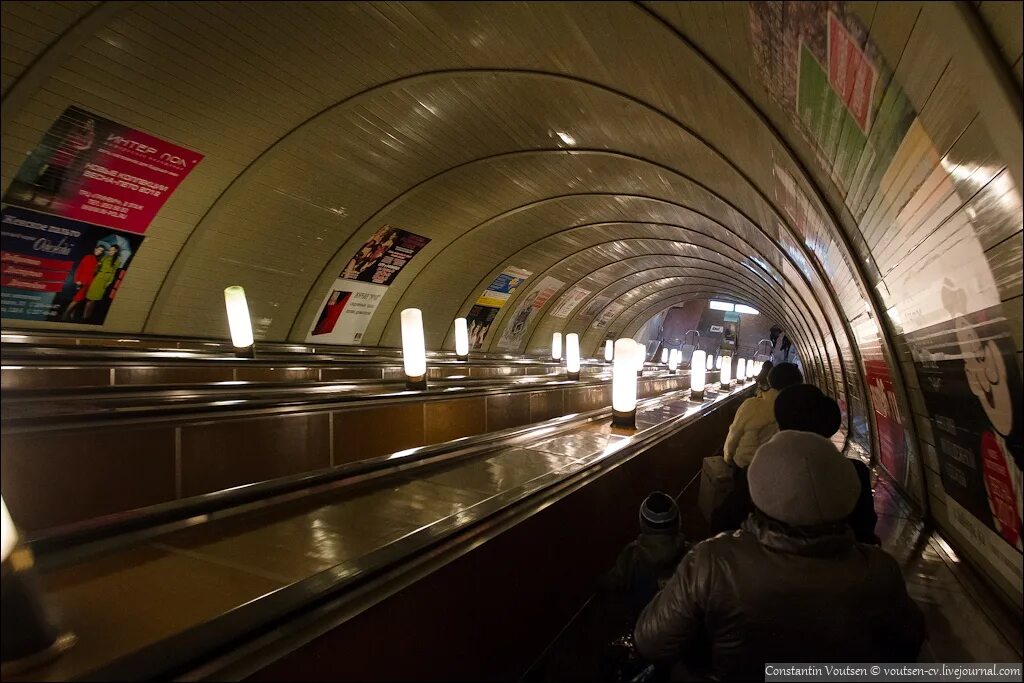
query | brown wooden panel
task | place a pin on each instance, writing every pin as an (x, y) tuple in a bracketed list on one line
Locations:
[(505, 411), (52, 378), (333, 374), (282, 374), (362, 434), (173, 375), (219, 455), (54, 479), (447, 420), (582, 399), (545, 405)]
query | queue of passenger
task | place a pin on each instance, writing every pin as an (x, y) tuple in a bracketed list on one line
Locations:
[(798, 578)]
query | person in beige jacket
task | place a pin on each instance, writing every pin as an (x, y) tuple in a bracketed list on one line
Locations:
[(754, 422)]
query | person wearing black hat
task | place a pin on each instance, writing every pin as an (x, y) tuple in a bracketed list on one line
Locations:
[(805, 408), (791, 585), (653, 556)]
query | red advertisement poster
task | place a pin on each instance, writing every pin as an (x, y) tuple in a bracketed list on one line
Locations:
[(850, 73), (888, 420), (92, 169), (383, 256)]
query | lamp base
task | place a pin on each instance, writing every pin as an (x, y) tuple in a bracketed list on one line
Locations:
[(462, 359), (697, 395), (623, 420), (416, 383), (247, 352), (573, 376)]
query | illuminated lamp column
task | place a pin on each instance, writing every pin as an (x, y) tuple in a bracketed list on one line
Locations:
[(718, 362), (461, 339), (239, 322), (673, 360), (741, 370), (624, 384), (572, 356), (414, 351), (556, 346), (640, 356), (698, 370), (726, 374), (28, 638), (609, 350), (709, 363), (664, 355)]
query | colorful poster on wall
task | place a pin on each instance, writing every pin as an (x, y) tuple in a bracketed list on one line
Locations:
[(89, 168), (383, 256), (569, 301), (60, 270), (972, 390), (607, 314), (346, 312), (515, 330), (889, 420), (481, 316), (816, 61), (361, 285)]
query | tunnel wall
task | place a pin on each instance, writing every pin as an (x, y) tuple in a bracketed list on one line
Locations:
[(852, 170)]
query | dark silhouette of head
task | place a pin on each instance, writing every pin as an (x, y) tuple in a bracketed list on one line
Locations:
[(805, 408), (784, 375)]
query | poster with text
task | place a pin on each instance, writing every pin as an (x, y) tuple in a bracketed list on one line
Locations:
[(607, 315), (593, 308), (60, 270), (972, 390), (383, 256), (515, 330), (346, 312), (889, 420), (92, 169), (481, 316), (569, 301)]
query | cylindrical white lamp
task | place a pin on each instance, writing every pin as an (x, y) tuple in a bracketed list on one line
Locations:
[(664, 355), (238, 321), (609, 350), (709, 363), (624, 384), (726, 374), (698, 368), (673, 360), (741, 370), (556, 346), (461, 339), (414, 350), (27, 637), (718, 362), (572, 355)]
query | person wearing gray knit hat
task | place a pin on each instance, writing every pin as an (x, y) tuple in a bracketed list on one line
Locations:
[(800, 478), (792, 584)]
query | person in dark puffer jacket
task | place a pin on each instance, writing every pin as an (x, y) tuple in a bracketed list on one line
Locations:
[(792, 585)]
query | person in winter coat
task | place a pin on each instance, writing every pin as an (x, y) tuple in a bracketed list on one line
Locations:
[(792, 585), (805, 408), (753, 425)]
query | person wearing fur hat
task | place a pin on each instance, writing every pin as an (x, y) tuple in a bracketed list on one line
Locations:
[(791, 585)]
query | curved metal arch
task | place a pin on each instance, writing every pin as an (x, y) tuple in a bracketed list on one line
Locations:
[(804, 311), (561, 264)]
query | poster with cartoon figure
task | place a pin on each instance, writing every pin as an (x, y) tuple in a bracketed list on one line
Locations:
[(972, 390)]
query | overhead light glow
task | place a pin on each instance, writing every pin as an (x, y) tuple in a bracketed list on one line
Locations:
[(743, 308), (722, 306), (566, 138)]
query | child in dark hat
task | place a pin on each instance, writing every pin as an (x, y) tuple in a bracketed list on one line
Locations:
[(805, 408)]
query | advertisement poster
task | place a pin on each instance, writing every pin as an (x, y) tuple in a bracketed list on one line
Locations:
[(593, 308), (607, 314), (892, 438), (383, 256), (569, 301), (972, 390), (534, 300), (92, 169), (346, 312), (816, 61), (59, 270), (485, 310)]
